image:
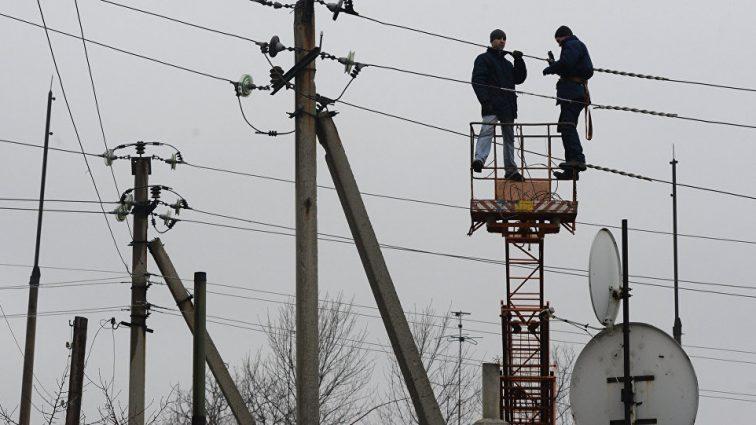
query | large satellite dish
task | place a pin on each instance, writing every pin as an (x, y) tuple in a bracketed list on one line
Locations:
[(605, 277), (664, 381)]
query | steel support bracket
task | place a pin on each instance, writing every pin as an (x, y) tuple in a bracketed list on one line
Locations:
[(299, 66)]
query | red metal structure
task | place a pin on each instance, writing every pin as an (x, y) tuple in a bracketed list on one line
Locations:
[(523, 213)]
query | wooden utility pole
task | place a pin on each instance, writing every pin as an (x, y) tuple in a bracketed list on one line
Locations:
[(31, 315), (308, 411), (198, 358), (76, 382), (381, 283), (140, 168), (214, 359)]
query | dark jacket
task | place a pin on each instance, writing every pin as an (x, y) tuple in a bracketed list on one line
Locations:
[(574, 62), (493, 69)]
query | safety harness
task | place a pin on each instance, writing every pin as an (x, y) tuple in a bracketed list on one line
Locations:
[(587, 101)]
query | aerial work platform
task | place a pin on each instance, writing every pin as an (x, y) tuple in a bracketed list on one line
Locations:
[(523, 213), (522, 210)]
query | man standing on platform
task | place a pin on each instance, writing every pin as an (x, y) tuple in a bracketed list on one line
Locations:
[(574, 68), (494, 79)]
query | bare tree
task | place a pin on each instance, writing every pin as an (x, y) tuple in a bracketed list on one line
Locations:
[(564, 359), (267, 380), (440, 358), (52, 402)]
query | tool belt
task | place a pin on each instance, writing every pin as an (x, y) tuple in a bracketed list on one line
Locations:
[(587, 102)]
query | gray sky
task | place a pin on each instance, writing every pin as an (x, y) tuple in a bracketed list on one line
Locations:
[(139, 100)]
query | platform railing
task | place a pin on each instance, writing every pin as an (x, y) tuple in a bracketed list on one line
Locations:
[(536, 163)]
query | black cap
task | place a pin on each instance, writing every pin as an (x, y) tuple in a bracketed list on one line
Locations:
[(563, 31), (496, 34)]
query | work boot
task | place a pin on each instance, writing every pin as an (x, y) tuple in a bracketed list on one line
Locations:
[(567, 175), (573, 164), (514, 176), (477, 166)]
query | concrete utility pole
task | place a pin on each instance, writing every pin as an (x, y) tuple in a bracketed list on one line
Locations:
[(491, 395), (31, 315), (308, 380), (405, 350), (198, 358), (76, 382), (214, 359), (141, 169)]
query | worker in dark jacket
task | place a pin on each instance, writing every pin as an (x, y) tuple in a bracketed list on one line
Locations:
[(494, 79), (574, 69)]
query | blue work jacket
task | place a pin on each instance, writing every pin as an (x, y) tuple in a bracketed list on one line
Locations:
[(574, 63), (493, 70)]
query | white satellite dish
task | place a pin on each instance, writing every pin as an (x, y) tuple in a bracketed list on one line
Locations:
[(605, 277), (665, 383)]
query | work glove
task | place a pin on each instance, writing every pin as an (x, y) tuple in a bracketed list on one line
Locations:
[(517, 54), (546, 71), (551, 59)]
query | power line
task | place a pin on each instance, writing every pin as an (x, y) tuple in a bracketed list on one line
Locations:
[(602, 70), (435, 76), (244, 288), (455, 80), (344, 239), (592, 166), (399, 198), (127, 52), (96, 100), (551, 269), (76, 132)]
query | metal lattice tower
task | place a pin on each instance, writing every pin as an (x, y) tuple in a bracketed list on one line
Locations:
[(523, 213)]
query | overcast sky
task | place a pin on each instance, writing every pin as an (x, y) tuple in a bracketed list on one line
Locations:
[(141, 100)]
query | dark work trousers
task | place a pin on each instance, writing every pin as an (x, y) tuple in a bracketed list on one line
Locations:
[(573, 150)]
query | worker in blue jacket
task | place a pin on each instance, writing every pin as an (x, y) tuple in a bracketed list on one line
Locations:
[(494, 79), (574, 69)]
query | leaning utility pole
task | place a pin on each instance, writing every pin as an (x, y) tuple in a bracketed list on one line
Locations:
[(214, 359), (198, 357), (398, 330), (76, 382), (677, 328), (140, 168), (31, 315), (308, 410)]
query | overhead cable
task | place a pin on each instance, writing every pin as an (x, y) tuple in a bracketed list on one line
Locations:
[(96, 100), (414, 200), (601, 70), (427, 75)]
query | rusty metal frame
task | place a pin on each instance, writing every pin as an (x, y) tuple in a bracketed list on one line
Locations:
[(527, 384), (511, 218)]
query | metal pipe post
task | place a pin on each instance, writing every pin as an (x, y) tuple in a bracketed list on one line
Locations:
[(76, 382), (140, 168), (627, 393), (198, 366), (307, 376), (214, 360), (31, 315), (677, 328)]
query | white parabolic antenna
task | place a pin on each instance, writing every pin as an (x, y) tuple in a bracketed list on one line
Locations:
[(605, 277), (665, 383)]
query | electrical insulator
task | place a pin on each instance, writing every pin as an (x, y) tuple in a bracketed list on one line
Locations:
[(173, 161), (244, 86), (124, 208), (357, 68), (348, 62), (167, 219), (275, 46), (109, 157), (276, 76)]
